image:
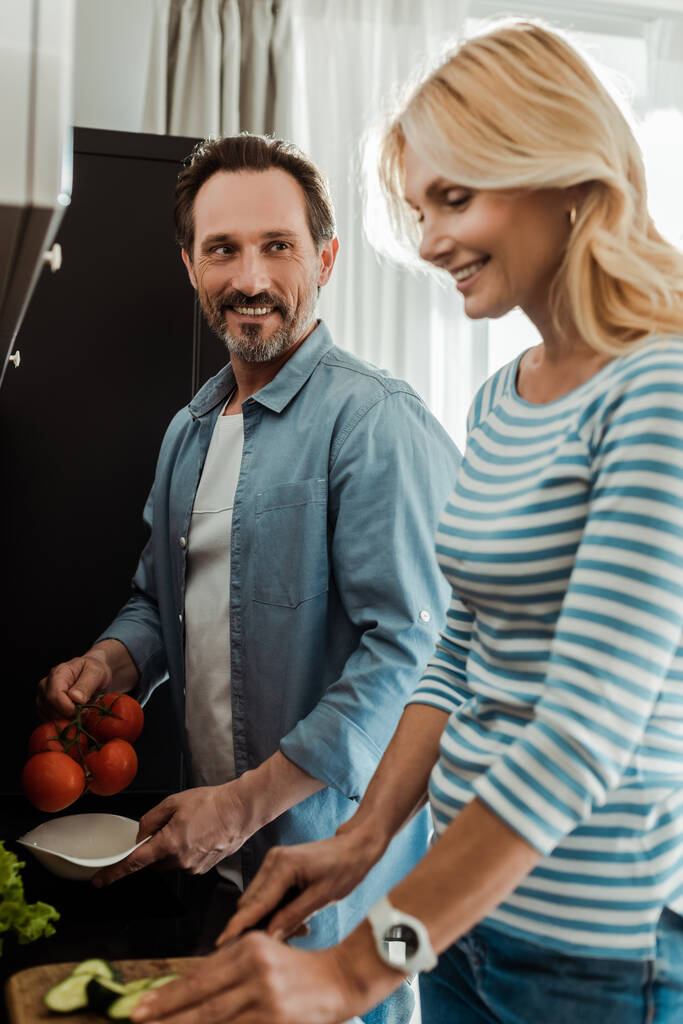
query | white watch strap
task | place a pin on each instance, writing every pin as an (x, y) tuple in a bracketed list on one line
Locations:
[(382, 917)]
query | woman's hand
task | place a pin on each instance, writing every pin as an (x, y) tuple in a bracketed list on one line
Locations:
[(328, 870), (325, 871), (258, 980)]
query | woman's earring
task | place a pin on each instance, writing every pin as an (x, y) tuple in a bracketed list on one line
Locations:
[(572, 216)]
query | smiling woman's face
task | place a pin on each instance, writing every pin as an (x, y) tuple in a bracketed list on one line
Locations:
[(501, 248)]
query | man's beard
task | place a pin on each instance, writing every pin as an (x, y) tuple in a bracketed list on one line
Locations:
[(249, 344)]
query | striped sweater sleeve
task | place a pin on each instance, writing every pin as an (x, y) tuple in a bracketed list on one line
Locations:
[(619, 625), (444, 681)]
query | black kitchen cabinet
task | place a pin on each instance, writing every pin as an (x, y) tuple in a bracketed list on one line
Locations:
[(112, 345), (148, 914)]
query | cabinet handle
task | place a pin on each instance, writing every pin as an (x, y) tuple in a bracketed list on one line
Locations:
[(53, 257), (15, 358)]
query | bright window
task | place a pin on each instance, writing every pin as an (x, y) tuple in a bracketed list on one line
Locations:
[(623, 61)]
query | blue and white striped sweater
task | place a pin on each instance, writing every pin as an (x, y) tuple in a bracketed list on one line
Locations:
[(561, 660)]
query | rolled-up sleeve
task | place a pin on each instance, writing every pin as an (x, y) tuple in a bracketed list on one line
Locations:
[(444, 681)]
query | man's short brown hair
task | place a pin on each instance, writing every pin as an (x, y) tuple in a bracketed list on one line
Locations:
[(248, 152)]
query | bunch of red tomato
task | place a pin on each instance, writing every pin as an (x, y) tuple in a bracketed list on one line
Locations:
[(91, 751)]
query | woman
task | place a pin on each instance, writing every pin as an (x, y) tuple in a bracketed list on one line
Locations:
[(548, 726)]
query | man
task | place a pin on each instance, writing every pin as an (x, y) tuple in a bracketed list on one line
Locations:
[(289, 589)]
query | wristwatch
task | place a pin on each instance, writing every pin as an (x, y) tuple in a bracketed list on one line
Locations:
[(391, 925)]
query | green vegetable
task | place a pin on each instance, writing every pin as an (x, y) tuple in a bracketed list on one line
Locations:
[(28, 920), (93, 984), (97, 968), (137, 986), (102, 992), (96, 985), (121, 1008), (69, 995), (163, 980)]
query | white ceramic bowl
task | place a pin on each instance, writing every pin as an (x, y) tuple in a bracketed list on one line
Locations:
[(78, 845)]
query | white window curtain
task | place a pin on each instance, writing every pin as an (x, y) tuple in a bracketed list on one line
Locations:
[(664, 39), (341, 58), (316, 72), (210, 69)]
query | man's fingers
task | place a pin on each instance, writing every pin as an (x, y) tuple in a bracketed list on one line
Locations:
[(155, 819), (88, 680), (69, 684), (53, 694), (149, 853)]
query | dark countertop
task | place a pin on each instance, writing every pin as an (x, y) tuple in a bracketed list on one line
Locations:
[(148, 914)]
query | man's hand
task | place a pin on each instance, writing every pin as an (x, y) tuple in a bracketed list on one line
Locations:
[(193, 830), (70, 683), (259, 980), (197, 828), (325, 871), (105, 668)]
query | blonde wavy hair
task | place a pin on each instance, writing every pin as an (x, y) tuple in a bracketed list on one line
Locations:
[(518, 107)]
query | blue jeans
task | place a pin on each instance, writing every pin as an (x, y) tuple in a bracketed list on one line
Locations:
[(488, 977), (396, 1008)]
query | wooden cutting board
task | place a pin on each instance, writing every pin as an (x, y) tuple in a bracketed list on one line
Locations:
[(25, 990)]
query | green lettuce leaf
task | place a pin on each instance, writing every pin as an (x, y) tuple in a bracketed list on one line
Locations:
[(28, 921)]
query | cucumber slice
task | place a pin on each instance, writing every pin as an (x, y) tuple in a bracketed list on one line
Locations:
[(136, 986), (69, 995), (73, 992), (102, 992), (97, 968), (121, 1008)]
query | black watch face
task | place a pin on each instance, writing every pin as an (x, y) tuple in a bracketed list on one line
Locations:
[(404, 933)]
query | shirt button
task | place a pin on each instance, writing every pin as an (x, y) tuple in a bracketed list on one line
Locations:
[(180, 619), (424, 615), (182, 542)]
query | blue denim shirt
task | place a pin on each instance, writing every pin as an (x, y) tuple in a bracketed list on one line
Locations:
[(335, 593)]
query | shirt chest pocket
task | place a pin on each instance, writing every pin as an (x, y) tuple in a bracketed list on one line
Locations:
[(290, 543)]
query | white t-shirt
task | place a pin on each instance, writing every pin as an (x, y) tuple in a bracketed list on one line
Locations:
[(208, 707)]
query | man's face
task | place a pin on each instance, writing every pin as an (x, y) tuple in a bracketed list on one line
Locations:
[(254, 263)]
